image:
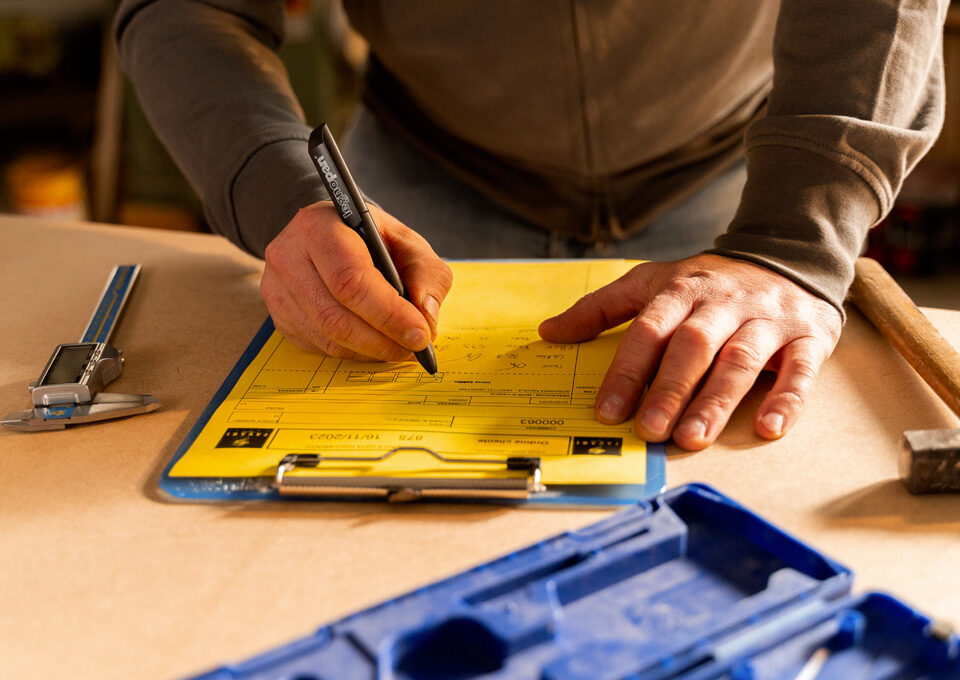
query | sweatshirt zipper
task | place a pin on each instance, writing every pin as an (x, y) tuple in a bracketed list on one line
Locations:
[(599, 227)]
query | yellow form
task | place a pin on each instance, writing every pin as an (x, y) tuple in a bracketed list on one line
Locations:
[(502, 392)]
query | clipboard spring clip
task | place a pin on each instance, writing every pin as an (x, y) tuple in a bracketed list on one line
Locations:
[(519, 486)]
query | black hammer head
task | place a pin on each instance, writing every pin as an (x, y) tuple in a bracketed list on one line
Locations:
[(930, 460)]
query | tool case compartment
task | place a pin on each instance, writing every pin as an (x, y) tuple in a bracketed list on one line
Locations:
[(689, 585)]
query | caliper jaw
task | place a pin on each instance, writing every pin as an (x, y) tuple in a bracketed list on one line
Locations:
[(104, 406)]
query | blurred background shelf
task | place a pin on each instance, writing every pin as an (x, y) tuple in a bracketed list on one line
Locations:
[(67, 108)]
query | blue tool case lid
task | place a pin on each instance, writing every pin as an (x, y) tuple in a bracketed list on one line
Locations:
[(689, 585)]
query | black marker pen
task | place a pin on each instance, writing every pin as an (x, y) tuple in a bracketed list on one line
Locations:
[(353, 212)]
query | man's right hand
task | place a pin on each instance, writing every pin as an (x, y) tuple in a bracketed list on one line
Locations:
[(325, 295)]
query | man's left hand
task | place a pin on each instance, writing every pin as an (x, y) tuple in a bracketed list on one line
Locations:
[(703, 329)]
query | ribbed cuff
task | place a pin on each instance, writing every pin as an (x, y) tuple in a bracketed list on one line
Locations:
[(804, 216)]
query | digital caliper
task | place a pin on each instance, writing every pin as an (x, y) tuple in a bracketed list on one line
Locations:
[(69, 389)]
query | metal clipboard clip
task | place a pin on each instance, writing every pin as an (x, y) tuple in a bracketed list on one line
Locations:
[(520, 485)]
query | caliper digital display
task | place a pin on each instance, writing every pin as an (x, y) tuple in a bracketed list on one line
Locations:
[(76, 372), (69, 364)]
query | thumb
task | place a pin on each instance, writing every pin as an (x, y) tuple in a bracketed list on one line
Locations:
[(601, 309), (426, 278)]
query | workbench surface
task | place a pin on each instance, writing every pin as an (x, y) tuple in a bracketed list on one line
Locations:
[(101, 577)]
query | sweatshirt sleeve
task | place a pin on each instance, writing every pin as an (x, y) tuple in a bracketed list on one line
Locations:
[(857, 100), (208, 77)]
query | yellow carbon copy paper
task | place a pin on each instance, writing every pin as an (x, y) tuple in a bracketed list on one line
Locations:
[(502, 391)]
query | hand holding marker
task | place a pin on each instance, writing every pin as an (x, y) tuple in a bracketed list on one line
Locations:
[(353, 212)]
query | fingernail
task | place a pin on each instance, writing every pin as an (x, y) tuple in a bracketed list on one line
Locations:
[(693, 428), (415, 339), (611, 408), (654, 421), (432, 308), (773, 422)]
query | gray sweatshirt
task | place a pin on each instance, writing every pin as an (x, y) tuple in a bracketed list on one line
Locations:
[(591, 118)]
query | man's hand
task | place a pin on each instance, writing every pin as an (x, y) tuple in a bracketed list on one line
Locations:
[(704, 329), (325, 295)]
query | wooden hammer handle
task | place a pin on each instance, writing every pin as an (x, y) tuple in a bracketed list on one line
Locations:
[(895, 315)]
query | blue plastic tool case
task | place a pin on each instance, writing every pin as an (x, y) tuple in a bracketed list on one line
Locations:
[(689, 585)]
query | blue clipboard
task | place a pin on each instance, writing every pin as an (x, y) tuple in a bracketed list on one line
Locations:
[(260, 488)]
